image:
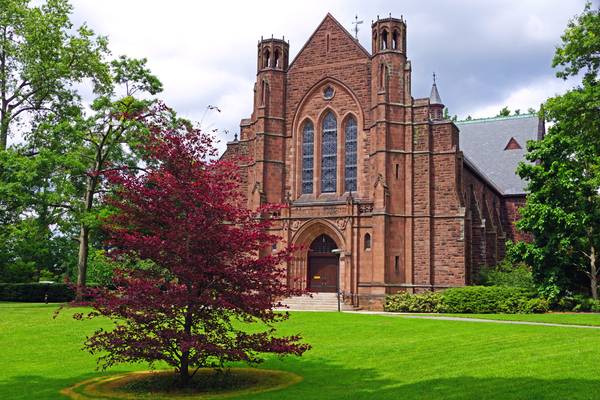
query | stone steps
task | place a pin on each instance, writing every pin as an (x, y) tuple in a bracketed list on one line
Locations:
[(318, 302)]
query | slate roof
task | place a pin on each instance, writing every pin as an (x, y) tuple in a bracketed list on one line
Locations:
[(483, 142)]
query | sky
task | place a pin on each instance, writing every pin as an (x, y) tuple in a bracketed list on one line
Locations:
[(486, 54)]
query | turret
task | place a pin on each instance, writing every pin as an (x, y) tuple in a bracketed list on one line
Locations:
[(436, 107), (389, 35), (273, 54), (390, 69)]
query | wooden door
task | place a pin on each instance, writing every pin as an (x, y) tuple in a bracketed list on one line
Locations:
[(323, 270)]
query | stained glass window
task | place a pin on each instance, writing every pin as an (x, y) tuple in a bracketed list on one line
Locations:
[(350, 171), (307, 157), (329, 154)]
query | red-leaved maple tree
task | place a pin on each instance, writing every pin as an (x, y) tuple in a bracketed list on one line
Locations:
[(211, 270)]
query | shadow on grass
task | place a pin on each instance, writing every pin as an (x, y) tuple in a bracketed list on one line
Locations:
[(324, 380)]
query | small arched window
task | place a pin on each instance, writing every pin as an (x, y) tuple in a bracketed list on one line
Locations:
[(384, 40), (368, 241), (382, 76), (266, 58), (350, 167), (307, 157), (395, 40), (276, 59), (264, 93), (329, 154)]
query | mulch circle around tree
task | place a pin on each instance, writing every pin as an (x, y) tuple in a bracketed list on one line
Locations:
[(207, 384)]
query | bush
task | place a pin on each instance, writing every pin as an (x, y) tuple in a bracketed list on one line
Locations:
[(428, 302), (506, 274), (468, 299), (485, 299), (36, 292), (535, 306), (575, 303)]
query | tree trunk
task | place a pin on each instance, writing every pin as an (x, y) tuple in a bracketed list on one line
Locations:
[(3, 132), (84, 238), (593, 273), (184, 369)]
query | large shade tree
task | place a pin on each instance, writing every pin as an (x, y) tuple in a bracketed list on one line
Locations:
[(213, 269), (41, 58), (563, 205)]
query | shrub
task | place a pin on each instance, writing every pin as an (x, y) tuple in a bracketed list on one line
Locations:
[(506, 274), (36, 292), (484, 299), (575, 303), (469, 299), (535, 306), (595, 306), (427, 302)]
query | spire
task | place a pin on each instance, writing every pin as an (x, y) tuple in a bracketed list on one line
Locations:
[(434, 97)]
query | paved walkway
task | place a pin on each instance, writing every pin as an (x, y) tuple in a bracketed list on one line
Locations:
[(463, 319)]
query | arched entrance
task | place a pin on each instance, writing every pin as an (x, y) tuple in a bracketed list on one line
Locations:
[(323, 265)]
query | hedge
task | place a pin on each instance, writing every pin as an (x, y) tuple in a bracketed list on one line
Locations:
[(36, 292), (469, 299)]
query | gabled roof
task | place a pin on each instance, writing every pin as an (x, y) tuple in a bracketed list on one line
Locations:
[(331, 18), (483, 142)]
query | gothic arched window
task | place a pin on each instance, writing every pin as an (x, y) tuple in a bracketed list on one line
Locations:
[(307, 157), (367, 241), (350, 170), (329, 154)]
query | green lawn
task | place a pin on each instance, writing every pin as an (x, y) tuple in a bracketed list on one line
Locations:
[(353, 357), (553, 318)]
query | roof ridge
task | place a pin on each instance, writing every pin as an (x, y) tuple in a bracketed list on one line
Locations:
[(469, 121)]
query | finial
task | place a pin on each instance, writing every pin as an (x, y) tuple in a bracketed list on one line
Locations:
[(434, 78), (235, 137), (271, 36), (377, 17), (390, 15), (283, 38)]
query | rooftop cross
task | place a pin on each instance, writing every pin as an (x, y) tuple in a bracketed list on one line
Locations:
[(356, 23)]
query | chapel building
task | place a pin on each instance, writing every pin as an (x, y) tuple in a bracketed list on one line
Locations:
[(384, 194)]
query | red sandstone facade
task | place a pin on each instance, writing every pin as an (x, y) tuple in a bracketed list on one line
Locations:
[(417, 217)]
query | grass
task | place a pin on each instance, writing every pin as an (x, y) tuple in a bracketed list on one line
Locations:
[(353, 357), (589, 319)]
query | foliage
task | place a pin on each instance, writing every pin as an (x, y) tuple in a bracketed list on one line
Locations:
[(504, 112), (468, 299), (100, 268), (210, 278), (41, 57), (563, 206), (484, 299), (36, 292), (507, 274), (535, 306), (428, 302)]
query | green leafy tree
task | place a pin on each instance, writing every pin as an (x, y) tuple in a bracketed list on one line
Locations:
[(40, 60), (84, 144), (504, 112), (563, 206)]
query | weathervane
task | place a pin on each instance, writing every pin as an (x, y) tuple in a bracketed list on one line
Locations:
[(356, 23)]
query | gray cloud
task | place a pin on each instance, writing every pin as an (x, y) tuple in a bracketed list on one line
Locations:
[(487, 54)]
